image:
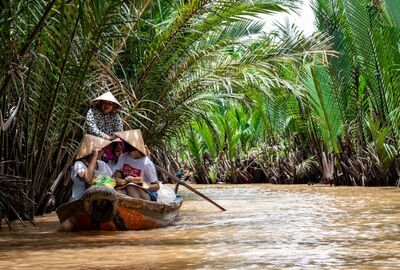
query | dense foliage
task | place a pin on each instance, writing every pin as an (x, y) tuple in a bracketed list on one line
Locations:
[(334, 120), (208, 87), (163, 60)]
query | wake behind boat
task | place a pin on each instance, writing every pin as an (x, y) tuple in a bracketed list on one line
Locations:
[(102, 208)]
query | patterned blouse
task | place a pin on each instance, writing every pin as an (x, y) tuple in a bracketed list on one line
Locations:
[(100, 124)]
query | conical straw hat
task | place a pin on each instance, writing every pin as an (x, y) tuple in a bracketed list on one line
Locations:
[(89, 143), (108, 96), (134, 138)]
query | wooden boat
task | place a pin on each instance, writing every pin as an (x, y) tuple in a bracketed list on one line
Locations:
[(102, 208)]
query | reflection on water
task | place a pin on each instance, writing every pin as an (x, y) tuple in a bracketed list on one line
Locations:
[(265, 227)]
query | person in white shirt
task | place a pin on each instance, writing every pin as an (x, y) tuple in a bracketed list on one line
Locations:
[(135, 172), (88, 165)]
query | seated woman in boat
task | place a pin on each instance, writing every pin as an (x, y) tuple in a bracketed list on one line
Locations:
[(135, 172), (112, 153), (88, 165)]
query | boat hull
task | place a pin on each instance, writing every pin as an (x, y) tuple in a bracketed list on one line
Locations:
[(101, 208)]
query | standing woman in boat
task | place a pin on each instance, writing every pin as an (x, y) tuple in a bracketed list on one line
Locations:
[(103, 118), (88, 165), (135, 172)]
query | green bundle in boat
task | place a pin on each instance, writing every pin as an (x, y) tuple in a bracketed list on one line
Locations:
[(103, 180)]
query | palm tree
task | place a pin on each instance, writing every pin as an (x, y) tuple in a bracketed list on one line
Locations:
[(364, 75), (48, 55)]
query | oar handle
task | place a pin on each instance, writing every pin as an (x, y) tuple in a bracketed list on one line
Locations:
[(177, 180)]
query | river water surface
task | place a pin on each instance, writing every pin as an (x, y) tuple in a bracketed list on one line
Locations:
[(264, 227)]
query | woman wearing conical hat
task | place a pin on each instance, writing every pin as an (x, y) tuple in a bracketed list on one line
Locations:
[(103, 119), (135, 172), (88, 165)]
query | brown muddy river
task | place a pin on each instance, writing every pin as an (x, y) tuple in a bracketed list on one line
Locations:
[(265, 227)]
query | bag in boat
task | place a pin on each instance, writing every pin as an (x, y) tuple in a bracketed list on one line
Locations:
[(103, 180), (165, 194)]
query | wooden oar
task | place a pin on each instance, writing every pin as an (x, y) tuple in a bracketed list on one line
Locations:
[(178, 181)]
